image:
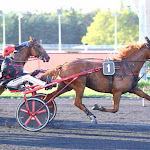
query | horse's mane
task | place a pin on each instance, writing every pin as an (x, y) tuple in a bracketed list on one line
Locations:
[(127, 51)]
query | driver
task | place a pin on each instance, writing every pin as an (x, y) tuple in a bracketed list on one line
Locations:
[(12, 75)]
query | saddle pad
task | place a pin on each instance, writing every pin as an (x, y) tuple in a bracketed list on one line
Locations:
[(108, 68)]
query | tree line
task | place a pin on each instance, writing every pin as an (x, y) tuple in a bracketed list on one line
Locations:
[(95, 27)]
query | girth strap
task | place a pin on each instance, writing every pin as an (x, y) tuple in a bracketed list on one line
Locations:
[(110, 79), (110, 83)]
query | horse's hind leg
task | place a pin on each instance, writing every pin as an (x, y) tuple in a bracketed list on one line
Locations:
[(140, 93), (116, 102)]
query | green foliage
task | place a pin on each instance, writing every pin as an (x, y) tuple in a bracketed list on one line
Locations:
[(144, 84), (128, 27), (44, 26), (95, 27), (102, 30)]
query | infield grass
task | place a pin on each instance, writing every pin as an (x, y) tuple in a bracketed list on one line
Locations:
[(87, 93)]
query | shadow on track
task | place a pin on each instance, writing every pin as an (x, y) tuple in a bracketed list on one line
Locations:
[(76, 135)]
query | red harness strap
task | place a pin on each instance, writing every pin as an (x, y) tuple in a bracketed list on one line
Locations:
[(132, 74), (18, 65), (82, 73)]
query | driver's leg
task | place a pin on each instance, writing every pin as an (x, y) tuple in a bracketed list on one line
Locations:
[(18, 81)]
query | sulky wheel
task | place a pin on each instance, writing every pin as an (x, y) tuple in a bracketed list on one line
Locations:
[(52, 106), (35, 119)]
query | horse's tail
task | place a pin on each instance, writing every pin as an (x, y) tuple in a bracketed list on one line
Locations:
[(54, 73)]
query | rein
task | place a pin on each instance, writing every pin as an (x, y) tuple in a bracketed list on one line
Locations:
[(24, 61)]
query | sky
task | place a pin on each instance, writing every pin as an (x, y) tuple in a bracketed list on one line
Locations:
[(53, 5)]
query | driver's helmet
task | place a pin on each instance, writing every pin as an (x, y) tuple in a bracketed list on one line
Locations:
[(8, 50)]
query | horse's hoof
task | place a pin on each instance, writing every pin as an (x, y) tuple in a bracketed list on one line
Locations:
[(93, 119), (95, 107)]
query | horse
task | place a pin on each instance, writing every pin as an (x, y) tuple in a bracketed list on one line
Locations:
[(27, 49), (128, 63)]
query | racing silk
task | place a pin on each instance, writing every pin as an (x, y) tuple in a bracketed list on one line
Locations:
[(10, 70)]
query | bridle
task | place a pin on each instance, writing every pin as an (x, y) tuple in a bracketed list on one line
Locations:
[(30, 46), (41, 54), (135, 75)]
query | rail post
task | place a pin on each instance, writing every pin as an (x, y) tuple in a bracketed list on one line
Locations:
[(143, 99)]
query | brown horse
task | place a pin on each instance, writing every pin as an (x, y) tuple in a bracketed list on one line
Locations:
[(32, 48), (128, 63)]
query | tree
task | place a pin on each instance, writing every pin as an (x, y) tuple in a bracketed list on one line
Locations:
[(95, 27), (74, 25), (11, 28), (44, 26), (128, 27), (101, 31)]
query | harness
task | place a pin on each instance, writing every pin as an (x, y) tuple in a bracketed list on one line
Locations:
[(125, 67), (41, 53), (134, 74)]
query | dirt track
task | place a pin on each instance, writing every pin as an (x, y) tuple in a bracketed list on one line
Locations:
[(71, 129)]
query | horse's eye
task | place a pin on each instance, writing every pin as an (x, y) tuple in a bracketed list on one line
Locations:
[(39, 46)]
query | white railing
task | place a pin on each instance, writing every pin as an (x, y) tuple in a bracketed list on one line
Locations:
[(73, 48)]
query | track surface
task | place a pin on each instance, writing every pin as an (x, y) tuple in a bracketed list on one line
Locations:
[(71, 129)]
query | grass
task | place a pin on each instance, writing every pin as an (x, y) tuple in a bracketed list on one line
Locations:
[(87, 93)]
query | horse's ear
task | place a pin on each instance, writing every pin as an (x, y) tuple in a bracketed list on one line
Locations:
[(147, 39), (31, 39)]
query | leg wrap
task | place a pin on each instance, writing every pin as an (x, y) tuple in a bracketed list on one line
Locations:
[(88, 113)]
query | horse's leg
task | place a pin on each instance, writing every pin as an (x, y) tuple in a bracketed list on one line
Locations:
[(140, 93), (2, 90), (79, 90), (78, 103), (116, 102)]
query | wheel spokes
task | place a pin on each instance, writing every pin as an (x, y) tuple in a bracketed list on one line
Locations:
[(28, 120), (35, 116), (33, 112), (24, 111), (38, 121), (33, 106), (41, 111)]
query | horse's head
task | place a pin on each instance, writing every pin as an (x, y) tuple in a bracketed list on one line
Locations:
[(37, 50)]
